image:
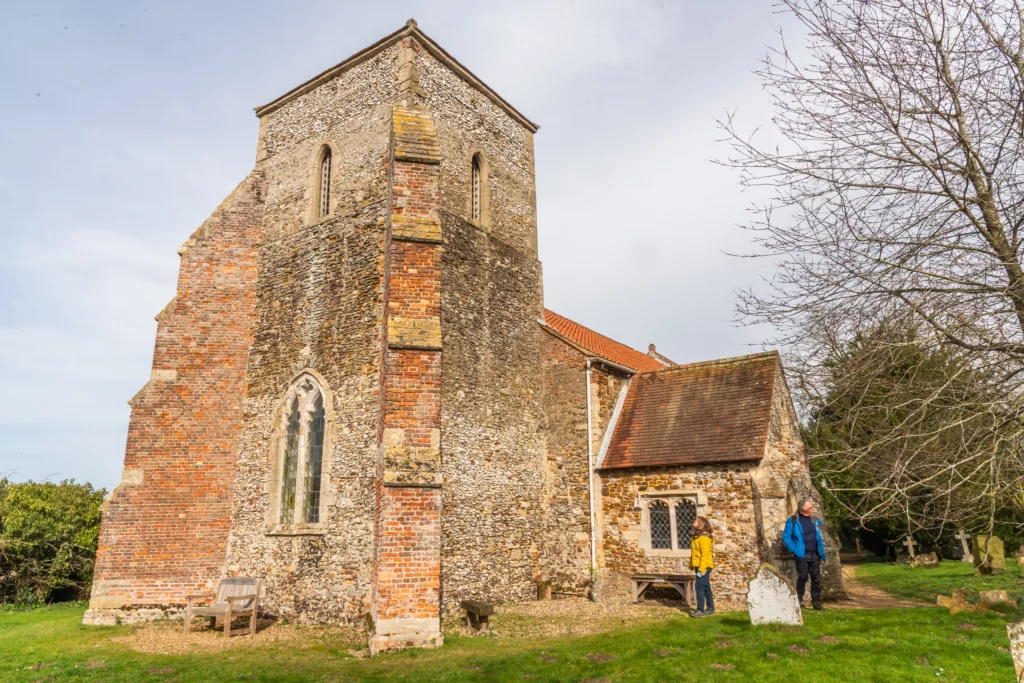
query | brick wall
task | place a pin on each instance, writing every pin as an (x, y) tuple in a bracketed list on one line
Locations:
[(165, 528)]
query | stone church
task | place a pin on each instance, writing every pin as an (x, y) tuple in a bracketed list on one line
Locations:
[(358, 396)]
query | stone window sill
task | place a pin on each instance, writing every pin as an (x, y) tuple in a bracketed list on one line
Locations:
[(666, 553), (296, 530)]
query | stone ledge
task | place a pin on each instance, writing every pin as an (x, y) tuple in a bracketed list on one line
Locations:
[(421, 333), (409, 479), (415, 229)]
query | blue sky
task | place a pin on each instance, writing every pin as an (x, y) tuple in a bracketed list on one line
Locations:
[(123, 125)]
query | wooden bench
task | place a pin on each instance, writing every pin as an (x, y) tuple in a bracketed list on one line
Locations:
[(684, 583), (476, 615), (235, 597)]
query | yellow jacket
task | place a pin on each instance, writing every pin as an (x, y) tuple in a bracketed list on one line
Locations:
[(701, 558)]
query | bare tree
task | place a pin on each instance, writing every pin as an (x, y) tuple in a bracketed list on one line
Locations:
[(897, 195)]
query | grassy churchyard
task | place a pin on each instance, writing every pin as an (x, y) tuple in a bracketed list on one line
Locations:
[(650, 642)]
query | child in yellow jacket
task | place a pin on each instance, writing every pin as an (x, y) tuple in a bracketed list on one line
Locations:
[(702, 560)]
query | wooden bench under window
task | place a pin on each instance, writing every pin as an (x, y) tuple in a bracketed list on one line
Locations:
[(235, 597), (684, 583)]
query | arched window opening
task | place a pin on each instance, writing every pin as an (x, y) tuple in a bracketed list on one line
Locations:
[(325, 183), (314, 464), (476, 189), (299, 477), (290, 465), (661, 526), (686, 515)]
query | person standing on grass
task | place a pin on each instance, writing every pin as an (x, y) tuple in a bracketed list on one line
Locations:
[(703, 561), (802, 537)]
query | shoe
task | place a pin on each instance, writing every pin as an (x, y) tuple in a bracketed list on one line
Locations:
[(696, 614), (709, 612), (818, 606)]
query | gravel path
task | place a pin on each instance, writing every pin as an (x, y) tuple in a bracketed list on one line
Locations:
[(864, 596)]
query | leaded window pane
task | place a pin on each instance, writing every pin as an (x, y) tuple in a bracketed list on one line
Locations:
[(661, 527), (686, 515), (325, 184), (314, 464), (290, 466), (476, 187)]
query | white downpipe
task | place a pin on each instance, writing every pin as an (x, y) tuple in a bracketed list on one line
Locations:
[(590, 477)]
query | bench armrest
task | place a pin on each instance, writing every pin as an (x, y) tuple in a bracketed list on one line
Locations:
[(236, 598), (201, 596)]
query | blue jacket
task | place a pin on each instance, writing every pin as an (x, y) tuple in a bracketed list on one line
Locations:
[(793, 537)]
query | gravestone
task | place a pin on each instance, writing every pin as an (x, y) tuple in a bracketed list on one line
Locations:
[(963, 536), (998, 600), (1015, 632), (910, 543), (771, 599), (1019, 556), (930, 560), (989, 555)]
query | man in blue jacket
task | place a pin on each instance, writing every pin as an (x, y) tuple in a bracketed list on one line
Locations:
[(802, 537)]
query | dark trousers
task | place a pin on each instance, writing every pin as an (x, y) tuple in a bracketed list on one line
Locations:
[(703, 589), (810, 566)]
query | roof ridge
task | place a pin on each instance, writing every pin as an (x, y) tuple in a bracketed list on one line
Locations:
[(589, 347), (718, 361)]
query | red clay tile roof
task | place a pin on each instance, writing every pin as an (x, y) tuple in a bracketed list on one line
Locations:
[(600, 345), (711, 412)]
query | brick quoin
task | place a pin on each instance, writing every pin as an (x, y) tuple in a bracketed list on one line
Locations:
[(407, 560), (165, 528)]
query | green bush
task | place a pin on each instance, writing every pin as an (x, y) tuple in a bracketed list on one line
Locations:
[(48, 537)]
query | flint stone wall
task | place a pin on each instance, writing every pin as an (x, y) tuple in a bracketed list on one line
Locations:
[(319, 301), (729, 508)]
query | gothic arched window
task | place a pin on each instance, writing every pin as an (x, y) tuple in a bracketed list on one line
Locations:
[(686, 515), (661, 526), (324, 192), (477, 189), (301, 461)]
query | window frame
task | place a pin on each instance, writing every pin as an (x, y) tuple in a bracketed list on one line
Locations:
[(672, 499), (308, 387), (316, 184), (478, 159)]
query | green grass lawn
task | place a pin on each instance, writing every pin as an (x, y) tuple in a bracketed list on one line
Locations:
[(925, 584), (922, 644)]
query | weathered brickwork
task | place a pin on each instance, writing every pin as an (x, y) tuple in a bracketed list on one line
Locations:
[(407, 561), (165, 528)]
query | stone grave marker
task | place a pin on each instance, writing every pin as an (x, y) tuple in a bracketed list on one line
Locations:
[(910, 543), (998, 600), (1015, 632), (771, 599), (930, 560), (989, 555), (964, 537)]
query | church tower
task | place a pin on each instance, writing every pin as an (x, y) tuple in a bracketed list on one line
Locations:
[(345, 398)]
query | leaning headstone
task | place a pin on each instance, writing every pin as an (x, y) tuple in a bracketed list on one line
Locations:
[(989, 556), (930, 560), (910, 543), (997, 600), (1015, 631), (963, 537), (771, 599)]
